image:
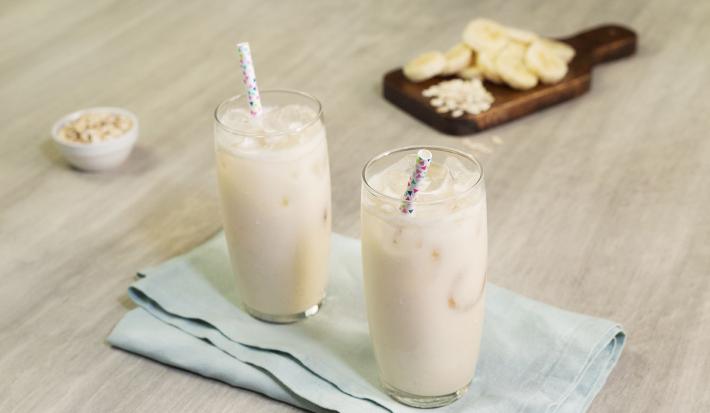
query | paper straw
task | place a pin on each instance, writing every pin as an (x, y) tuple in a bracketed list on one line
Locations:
[(249, 78), (420, 170)]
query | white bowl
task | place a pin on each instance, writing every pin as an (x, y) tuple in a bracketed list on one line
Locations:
[(97, 156)]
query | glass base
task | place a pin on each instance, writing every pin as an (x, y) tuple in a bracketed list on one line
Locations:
[(424, 402), (285, 318)]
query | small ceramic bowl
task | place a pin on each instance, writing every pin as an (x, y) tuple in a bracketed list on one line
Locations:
[(97, 156)]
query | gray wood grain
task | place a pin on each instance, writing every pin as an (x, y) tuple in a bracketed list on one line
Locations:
[(601, 205)]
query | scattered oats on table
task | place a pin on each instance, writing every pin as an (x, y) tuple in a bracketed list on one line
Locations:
[(477, 146), (458, 96)]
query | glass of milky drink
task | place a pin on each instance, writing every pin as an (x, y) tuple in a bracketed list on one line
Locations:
[(424, 265), (274, 182)]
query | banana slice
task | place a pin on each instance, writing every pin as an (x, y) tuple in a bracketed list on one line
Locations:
[(545, 63), (485, 62), (457, 58), (562, 50), (471, 72), (510, 66), (425, 66), (515, 48), (484, 35), (522, 36)]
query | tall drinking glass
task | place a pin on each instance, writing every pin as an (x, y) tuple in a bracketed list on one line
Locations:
[(274, 183), (424, 273)]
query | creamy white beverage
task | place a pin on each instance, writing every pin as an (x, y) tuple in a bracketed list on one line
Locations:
[(425, 274), (274, 183)]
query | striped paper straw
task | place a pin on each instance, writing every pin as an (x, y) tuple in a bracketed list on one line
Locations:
[(420, 170), (249, 78)]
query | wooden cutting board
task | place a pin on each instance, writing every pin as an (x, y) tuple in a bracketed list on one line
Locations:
[(594, 46)]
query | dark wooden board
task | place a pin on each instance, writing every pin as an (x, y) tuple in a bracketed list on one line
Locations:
[(598, 45)]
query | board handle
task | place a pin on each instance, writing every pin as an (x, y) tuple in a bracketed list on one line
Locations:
[(604, 43)]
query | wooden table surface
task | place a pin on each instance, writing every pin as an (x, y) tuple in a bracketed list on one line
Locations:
[(600, 205)]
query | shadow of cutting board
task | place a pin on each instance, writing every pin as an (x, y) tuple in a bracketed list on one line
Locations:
[(598, 45)]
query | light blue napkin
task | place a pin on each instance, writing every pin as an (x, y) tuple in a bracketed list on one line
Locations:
[(534, 357)]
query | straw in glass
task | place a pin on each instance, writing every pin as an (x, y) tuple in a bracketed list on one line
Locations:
[(249, 77), (420, 170)]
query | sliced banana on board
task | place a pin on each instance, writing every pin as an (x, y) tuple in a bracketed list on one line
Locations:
[(484, 35), (510, 65), (543, 61), (457, 59), (499, 54), (562, 50), (486, 63), (425, 66), (471, 72), (522, 36), (515, 49)]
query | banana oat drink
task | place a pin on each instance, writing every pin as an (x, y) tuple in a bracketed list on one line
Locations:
[(424, 273), (274, 182)]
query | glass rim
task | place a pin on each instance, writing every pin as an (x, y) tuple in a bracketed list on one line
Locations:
[(458, 152), (318, 115)]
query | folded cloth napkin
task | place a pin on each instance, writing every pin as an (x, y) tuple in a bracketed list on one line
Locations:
[(534, 357)]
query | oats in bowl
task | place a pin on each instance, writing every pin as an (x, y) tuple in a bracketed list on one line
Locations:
[(96, 139)]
